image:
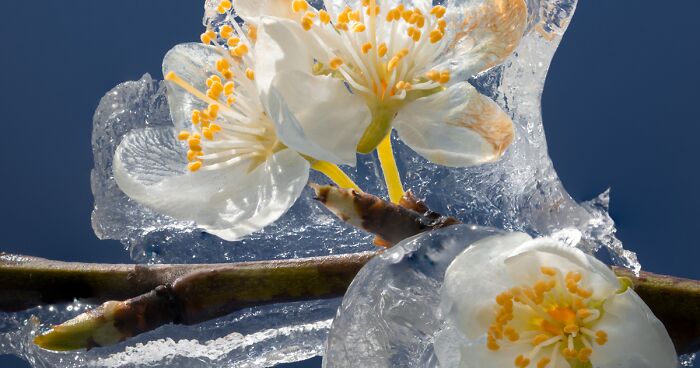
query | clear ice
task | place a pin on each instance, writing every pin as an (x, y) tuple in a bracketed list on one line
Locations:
[(519, 192)]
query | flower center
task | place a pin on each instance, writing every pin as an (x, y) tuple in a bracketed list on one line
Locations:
[(383, 54), (233, 129), (552, 319)]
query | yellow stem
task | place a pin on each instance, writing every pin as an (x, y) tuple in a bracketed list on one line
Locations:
[(336, 174), (391, 172)]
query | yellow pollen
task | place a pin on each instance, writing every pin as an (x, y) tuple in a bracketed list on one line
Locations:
[(543, 362), (382, 49), (491, 344), (354, 15), (366, 47), (358, 27), (222, 64), (239, 50), (183, 135), (215, 128), (207, 37), (324, 16), (227, 73), (191, 155), (521, 361), (233, 41), (307, 23), (252, 32), (196, 117), (213, 111), (548, 271), (335, 63), (436, 35), (343, 16), (601, 337), (250, 74), (194, 166), (194, 144), (444, 77), (228, 87), (226, 31), (299, 5), (208, 134), (438, 11)]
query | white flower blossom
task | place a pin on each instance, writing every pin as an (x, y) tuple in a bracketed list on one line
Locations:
[(538, 303), (338, 79), (223, 166)]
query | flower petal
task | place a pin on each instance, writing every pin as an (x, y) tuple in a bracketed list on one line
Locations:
[(149, 167), (327, 126), (282, 45), (482, 34), (636, 338), (456, 127), (252, 10), (193, 62), (524, 264), (474, 279)]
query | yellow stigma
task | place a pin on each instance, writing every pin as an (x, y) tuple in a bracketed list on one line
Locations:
[(556, 315)]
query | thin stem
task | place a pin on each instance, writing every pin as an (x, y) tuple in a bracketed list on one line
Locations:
[(336, 174), (390, 170)]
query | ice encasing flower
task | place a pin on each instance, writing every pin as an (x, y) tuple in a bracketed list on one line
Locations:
[(222, 166), (338, 79), (538, 303)]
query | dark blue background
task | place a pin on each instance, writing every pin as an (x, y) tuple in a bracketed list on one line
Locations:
[(620, 110)]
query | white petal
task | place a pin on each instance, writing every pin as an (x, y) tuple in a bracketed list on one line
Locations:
[(231, 203), (193, 62), (282, 45), (252, 10), (318, 116), (456, 127), (636, 338), (482, 34), (474, 279), (524, 263)]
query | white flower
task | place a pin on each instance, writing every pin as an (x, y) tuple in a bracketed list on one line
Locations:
[(538, 303), (337, 80), (222, 166)]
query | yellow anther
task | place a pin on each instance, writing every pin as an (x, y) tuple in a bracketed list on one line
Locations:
[(309, 14), (194, 144), (376, 11), (382, 49), (225, 4), (230, 100), (324, 17), (196, 117), (571, 329), (183, 135), (226, 31), (215, 128), (403, 52), (569, 353), (575, 276), (299, 5), (207, 37), (341, 26), (433, 75), (444, 77), (511, 334), (239, 50), (416, 35), (504, 298), (442, 24), (343, 16), (307, 23), (491, 344), (213, 111), (335, 63), (438, 11), (250, 74), (358, 27), (194, 166), (521, 361), (192, 155), (354, 15), (227, 74), (601, 337), (583, 293), (228, 87), (420, 20), (252, 32), (392, 63), (233, 41), (539, 339), (222, 64), (366, 47), (584, 354), (543, 362), (548, 271), (207, 133), (406, 15), (436, 35)]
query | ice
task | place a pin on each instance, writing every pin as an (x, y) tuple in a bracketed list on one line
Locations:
[(390, 314), (520, 192)]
